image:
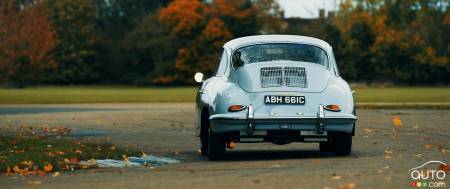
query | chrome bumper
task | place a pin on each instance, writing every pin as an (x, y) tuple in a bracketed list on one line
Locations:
[(222, 123)]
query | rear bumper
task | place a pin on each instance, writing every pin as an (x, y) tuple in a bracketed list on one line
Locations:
[(224, 123)]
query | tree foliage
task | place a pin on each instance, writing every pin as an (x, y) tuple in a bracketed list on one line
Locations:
[(395, 41), (167, 41), (202, 28), (26, 42)]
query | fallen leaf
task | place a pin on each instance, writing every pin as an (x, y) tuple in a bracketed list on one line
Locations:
[(396, 121), (427, 146), (50, 154), (73, 160), (445, 167), (388, 152), (336, 177), (394, 134), (350, 185), (48, 167), (367, 130), (16, 169), (34, 182), (27, 163), (55, 174)]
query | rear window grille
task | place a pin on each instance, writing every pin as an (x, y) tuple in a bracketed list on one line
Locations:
[(288, 76)]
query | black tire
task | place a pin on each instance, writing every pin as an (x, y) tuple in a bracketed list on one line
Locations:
[(342, 144), (216, 146), (204, 132), (326, 146), (204, 144)]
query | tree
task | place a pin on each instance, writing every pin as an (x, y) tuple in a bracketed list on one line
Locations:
[(404, 42), (200, 29), (27, 40), (76, 53)]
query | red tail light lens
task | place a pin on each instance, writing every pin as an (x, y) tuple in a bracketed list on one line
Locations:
[(236, 108), (332, 107)]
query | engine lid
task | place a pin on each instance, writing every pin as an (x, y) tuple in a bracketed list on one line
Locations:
[(283, 76)]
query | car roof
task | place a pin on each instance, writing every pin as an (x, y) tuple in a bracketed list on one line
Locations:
[(258, 39)]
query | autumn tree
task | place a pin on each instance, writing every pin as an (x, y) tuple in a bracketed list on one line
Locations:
[(402, 42), (202, 28), (26, 43)]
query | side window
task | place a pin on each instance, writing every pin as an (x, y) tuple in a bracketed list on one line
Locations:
[(222, 67)]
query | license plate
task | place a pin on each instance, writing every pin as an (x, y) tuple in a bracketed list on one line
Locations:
[(274, 99)]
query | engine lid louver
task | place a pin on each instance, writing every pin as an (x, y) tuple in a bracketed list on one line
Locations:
[(283, 76)]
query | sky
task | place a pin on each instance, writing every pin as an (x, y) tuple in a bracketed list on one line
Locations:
[(306, 8)]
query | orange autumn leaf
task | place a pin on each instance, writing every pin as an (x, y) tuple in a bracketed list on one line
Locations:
[(16, 169), (73, 160), (396, 121), (48, 167), (445, 167)]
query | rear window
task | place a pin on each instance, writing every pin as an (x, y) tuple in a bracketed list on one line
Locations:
[(280, 52)]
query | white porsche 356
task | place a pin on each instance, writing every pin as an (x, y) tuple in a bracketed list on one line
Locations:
[(278, 89)]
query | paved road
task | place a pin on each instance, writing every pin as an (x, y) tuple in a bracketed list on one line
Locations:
[(168, 129)]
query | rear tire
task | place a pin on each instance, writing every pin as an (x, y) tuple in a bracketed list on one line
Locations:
[(342, 144), (216, 146), (326, 146), (204, 144)]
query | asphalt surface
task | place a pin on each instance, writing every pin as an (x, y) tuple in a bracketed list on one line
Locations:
[(382, 153)]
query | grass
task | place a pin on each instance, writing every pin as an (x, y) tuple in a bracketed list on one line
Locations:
[(123, 94), (97, 94), (403, 95), (37, 155), (38, 150)]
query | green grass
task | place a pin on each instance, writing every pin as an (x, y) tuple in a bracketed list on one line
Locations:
[(403, 95), (120, 94), (98, 94)]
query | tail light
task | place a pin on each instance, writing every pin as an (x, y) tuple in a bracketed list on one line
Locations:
[(332, 107), (236, 108)]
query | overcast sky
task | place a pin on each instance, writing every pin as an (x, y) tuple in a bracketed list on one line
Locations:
[(306, 8)]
